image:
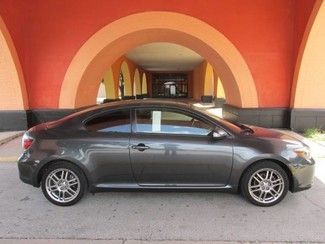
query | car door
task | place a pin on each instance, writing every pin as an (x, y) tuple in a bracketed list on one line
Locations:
[(170, 147), (107, 146)]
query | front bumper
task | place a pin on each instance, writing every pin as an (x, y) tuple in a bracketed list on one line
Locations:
[(302, 175)]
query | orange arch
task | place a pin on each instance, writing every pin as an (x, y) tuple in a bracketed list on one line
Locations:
[(113, 40), (308, 84), (13, 94)]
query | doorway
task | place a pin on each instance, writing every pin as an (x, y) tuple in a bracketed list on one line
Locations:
[(169, 85)]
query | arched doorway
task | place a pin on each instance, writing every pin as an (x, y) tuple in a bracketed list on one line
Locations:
[(109, 84), (125, 86), (137, 84), (128, 32), (144, 88), (209, 82), (101, 95), (219, 91)]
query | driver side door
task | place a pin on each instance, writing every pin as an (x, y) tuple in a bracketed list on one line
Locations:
[(174, 148)]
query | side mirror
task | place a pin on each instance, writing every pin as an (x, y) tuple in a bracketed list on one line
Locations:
[(219, 134)]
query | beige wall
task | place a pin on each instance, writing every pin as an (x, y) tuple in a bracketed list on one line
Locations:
[(308, 90)]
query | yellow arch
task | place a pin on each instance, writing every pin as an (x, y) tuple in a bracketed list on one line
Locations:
[(220, 92), (127, 79), (109, 84), (144, 88), (308, 83), (208, 80), (136, 83), (116, 38), (13, 94)]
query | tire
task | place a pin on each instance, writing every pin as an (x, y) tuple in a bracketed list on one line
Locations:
[(264, 184), (63, 183)]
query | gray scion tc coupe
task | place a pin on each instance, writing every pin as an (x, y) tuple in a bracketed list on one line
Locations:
[(154, 144)]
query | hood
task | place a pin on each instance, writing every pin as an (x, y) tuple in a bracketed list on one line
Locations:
[(283, 135)]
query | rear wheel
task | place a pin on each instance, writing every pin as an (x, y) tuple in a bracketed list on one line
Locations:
[(63, 183), (265, 184)]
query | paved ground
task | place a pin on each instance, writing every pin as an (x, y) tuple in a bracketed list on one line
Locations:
[(6, 136), (121, 216), (10, 151), (74, 241)]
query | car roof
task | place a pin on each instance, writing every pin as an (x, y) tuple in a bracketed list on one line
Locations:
[(150, 101), (86, 111), (139, 102)]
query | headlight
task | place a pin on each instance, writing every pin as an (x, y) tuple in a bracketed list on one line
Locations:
[(303, 152)]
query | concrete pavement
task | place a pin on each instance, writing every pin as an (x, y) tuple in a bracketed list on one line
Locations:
[(151, 217), (7, 136), (11, 150), (76, 241)]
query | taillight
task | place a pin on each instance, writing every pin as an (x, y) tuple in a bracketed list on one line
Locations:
[(27, 141)]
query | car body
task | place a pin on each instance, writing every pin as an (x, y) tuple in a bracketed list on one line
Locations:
[(158, 144)]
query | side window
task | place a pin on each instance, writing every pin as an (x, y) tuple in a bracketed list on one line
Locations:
[(117, 121), (169, 122)]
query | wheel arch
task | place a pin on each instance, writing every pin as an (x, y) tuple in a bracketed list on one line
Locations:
[(279, 162), (45, 165)]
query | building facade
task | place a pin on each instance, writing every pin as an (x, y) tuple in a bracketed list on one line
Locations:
[(266, 56)]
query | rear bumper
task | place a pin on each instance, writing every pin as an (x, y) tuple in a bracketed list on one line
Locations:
[(25, 173), (303, 175), (28, 171)]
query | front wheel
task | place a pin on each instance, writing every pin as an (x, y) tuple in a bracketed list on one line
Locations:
[(63, 184), (265, 184)]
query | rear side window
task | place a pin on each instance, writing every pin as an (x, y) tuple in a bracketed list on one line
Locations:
[(116, 121)]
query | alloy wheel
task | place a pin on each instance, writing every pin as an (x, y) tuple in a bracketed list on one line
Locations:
[(266, 185), (62, 185)]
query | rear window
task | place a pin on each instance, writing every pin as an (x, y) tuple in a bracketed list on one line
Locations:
[(115, 121)]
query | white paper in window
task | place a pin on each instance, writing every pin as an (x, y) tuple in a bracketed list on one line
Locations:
[(173, 90), (156, 121)]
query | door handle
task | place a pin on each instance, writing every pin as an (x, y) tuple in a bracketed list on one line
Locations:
[(141, 147)]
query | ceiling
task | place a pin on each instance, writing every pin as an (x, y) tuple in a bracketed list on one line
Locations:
[(164, 56)]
